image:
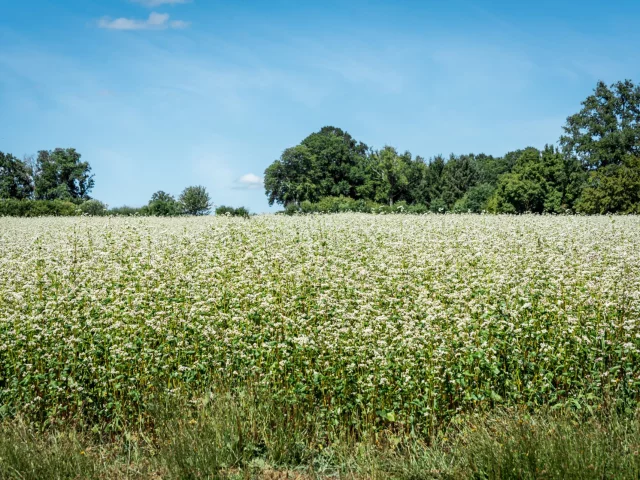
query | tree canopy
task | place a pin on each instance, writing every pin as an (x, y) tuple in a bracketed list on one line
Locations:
[(61, 175), (594, 170), (163, 204), (326, 163), (16, 178), (195, 201), (607, 128)]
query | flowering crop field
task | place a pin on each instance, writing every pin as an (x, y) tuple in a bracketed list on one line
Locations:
[(359, 320)]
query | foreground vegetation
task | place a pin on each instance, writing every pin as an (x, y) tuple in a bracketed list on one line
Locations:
[(242, 438), (412, 344)]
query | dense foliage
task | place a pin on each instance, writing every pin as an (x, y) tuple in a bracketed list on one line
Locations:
[(15, 178), (60, 175), (38, 208), (163, 204), (596, 170), (195, 201), (232, 212), (372, 322)]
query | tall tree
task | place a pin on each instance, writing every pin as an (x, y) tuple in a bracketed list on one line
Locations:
[(15, 178), (458, 176), (490, 168), (163, 204), (61, 175), (613, 189), (416, 175), (390, 175), (195, 201), (293, 178), (326, 163), (431, 187), (607, 129), (541, 181), (336, 157)]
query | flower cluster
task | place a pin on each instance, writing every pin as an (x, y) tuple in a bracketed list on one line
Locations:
[(355, 318)]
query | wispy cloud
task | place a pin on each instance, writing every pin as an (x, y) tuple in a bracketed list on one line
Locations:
[(158, 3), (249, 181), (156, 21)]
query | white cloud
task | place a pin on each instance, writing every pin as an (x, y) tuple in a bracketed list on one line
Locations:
[(156, 21), (158, 3), (250, 181)]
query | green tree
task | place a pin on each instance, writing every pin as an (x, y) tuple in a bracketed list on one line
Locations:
[(605, 137), (416, 174), (94, 208), (390, 175), (458, 176), (476, 199), (541, 181), (61, 175), (607, 129), (613, 189), (326, 163), (15, 178), (431, 190), (490, 168), (293, 178), (336, 158), (195, 201), (163, 204)]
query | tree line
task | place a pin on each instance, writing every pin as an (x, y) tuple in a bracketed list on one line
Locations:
[(594, 169), (58, 182)]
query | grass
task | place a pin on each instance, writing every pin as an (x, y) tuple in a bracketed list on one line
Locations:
[(237, 438)]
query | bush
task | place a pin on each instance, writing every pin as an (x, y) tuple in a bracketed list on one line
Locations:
[(52, 208), (38, 208), (346, 204), (163, 204), (126, 211), (291, 209), (233, 212), (93, 208), (438, 205), (475, 200), (162, 208)]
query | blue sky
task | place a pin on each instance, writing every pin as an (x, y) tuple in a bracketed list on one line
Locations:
[(162, 94)]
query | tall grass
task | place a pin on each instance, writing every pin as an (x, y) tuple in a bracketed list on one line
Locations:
[(239, 437)]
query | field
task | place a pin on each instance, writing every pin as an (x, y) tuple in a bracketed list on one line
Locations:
[(381, 330)]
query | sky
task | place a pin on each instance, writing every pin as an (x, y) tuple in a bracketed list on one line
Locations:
[(163, 94)]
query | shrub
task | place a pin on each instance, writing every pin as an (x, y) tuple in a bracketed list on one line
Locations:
[(233, 212), (125, 211), (94, 208), (438, 205), (38, 208), (163, 204), (475, 200)]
